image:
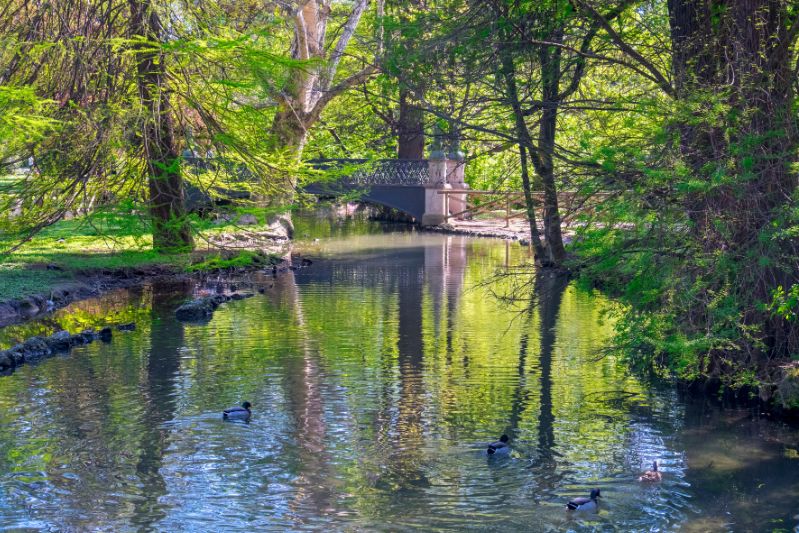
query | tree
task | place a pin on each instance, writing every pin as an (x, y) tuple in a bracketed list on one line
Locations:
[(715, 221), (171, 230), (130, 84), (313, 85)]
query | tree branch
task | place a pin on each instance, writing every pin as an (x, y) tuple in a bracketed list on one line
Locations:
[(337, 89), (343, 41), (657, 76)]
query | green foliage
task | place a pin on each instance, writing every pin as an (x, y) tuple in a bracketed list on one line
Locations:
[(242, 259), (687, 167), (23, 118), (786, 303)]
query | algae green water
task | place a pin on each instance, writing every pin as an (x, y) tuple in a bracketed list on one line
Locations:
[(377, 375)]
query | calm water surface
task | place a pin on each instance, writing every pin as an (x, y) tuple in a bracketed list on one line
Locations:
[(377, 376)]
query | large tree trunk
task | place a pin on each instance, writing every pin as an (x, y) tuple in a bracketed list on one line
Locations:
[(410, 127), (551, 252), (740, 54), (539, 252), (171, 229), (544, 164)]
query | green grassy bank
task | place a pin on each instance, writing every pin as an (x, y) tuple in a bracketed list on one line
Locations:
[(76, 248)]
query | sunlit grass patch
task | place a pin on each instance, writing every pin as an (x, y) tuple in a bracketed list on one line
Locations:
[(106, 241)]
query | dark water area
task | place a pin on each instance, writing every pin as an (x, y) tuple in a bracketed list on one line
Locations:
[(377, 375)]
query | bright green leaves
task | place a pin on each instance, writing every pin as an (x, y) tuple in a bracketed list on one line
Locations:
[(785, 303), (23, 117)]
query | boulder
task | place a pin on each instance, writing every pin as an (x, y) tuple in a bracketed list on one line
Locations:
[(218, 300), (127, 327), (105, 334), (7, 313), (16, 355), (60, 341), (201, 308), (87, 336), (196, 309), (241, 296), (35, 348), (6, 361), (28, 307), (247, 220)]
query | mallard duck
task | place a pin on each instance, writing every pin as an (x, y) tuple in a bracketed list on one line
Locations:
[(238, 413), (651, 476), (585, 504), (499, 446)]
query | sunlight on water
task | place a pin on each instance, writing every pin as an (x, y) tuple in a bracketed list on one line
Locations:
[(378, 374)]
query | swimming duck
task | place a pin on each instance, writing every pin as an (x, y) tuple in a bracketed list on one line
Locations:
[(653, 475), (499, 446), (238, 413), (585, 504)]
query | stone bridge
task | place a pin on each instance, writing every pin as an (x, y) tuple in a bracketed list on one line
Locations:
[(408, 185)]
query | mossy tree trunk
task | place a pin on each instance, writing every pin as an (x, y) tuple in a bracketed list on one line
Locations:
[(171, 229), (740, 57)]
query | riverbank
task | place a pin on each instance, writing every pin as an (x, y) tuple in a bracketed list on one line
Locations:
[(84, 258), (516, 230), (490, 227), (75, 260)]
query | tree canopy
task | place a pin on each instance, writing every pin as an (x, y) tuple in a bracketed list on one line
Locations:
[(675, 119)]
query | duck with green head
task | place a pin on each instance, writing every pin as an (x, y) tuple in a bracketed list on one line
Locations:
[(585, 504), (238, 413), (499, 446)]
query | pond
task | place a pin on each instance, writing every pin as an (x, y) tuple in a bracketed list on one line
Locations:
[(377, 374)]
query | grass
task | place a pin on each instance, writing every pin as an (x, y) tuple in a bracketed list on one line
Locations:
[(107, 242)]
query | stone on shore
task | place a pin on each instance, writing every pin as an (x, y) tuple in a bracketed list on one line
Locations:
[(34, 349), (5, 361), (60, 341), (105, 334), (241, 296), (28, 307), (247, 220), (88, 336), (200, 309)]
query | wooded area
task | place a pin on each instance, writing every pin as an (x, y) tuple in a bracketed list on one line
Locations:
[(681, 114)]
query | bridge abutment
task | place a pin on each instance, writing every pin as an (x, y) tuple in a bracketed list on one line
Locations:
[(434, 203), (445, 173)]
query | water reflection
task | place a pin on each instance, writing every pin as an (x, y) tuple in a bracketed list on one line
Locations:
[(162, 369), (377, 376)]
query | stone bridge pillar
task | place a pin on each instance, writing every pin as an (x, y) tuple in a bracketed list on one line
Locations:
[(433, 202), (455, 178), (446, 172)]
